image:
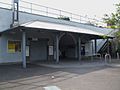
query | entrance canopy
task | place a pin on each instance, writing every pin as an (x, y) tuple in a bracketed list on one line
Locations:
[(36, 26), (59, 27)]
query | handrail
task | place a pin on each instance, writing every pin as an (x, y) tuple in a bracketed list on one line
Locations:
[(3, 3), (56, 14), (111, 32)]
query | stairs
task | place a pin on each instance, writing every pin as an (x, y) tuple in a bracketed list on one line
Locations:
[(103, 49)]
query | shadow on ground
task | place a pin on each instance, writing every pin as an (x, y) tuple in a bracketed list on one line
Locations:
[(14, 72)]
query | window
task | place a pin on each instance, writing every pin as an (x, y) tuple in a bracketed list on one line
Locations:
[(14, 46)]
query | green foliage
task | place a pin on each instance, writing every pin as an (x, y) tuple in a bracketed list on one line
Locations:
[(118, 48), (104, 36), (118, 35), (64, 18), (113, 20)]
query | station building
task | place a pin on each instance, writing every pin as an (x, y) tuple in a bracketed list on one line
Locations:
[(31, 37)]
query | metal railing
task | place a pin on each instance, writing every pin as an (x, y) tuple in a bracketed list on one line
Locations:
[(104, 40), (5, 5), (52, 12)]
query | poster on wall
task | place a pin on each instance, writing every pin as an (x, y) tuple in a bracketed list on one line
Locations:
[(50, 50), (11, 48), (27, 50), (14, 46)]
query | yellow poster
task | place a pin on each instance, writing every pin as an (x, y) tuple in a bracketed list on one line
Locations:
[(11, 48)]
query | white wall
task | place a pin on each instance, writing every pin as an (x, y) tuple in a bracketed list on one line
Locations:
[(0, 48), (88, 49), (5, 56), (6, 20)]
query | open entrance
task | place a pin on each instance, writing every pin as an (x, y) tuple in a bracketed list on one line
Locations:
[(67, 47)]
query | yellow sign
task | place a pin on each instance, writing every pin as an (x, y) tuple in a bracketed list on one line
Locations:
[(11, 48)]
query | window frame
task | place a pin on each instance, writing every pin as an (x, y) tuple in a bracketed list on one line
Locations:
[(14, 52)]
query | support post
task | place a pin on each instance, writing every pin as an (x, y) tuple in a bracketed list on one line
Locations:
[(79, 48), (54, 49), (108, 51), (92, 51), (57, 48), (95, 46), (24, 49)]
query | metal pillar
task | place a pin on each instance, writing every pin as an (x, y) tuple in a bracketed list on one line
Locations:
[(92, 51), (57, 48), (54, 49), (95, 46), (108, 51), (24, 49), (79, 48)]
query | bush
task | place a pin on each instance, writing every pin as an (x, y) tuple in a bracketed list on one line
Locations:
[(118, 48), (64, 18)]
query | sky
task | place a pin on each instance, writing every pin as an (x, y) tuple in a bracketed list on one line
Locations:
[(91, 8)]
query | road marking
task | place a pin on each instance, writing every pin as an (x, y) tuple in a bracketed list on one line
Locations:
[(51, 88)]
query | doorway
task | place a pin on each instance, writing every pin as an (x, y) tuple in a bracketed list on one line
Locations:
[(67, 47)]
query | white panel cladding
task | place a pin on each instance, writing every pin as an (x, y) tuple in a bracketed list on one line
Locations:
[(88, 49), (0, 48), (5, 56), (6, 20)]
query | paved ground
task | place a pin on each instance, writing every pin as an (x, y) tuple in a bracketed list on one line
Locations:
[(36, 77)]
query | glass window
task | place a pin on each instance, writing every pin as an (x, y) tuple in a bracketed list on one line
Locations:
[(14, 46)]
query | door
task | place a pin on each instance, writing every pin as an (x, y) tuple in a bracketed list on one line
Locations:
[(38, 50)]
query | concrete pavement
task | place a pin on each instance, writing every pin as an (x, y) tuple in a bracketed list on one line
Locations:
[(36, 77)]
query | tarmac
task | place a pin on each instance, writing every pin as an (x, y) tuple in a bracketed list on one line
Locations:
[(62, 76)]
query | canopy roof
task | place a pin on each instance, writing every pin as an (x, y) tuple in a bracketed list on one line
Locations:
[(59, 27)]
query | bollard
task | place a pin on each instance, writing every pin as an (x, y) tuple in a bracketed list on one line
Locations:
[(109, 57), (118, 57)]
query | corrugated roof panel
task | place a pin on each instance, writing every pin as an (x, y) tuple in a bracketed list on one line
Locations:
[(59, 27)]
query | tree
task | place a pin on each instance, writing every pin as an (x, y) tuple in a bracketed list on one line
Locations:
[(113, 21), (64, 18)]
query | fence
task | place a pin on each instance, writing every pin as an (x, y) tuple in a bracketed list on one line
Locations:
[(52, 12)]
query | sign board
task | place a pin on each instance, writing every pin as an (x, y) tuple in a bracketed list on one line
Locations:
[(50, 50), (27, 50)]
